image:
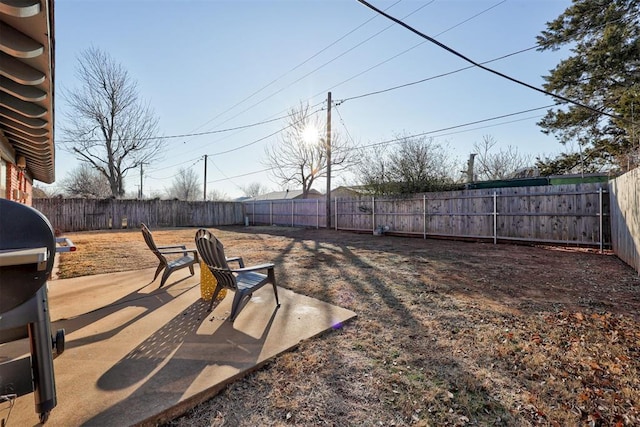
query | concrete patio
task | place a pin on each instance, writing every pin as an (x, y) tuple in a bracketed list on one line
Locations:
[(139, 355)]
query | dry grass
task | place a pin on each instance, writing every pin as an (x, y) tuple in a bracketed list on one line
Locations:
[(448, 333)]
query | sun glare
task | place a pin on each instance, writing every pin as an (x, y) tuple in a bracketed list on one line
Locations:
[(310, 134)]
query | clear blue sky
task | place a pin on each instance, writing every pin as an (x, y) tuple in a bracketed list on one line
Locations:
[(198, 63)]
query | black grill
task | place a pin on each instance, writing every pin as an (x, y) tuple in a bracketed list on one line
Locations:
[(27, 251)]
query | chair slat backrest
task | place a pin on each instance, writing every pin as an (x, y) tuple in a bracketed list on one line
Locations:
[(211, 251), (148, 238)]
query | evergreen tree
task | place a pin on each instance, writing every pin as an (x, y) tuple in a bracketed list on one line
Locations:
[(602, 72)]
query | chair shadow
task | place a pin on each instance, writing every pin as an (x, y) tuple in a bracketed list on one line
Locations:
[(191, 352), (147, 301)]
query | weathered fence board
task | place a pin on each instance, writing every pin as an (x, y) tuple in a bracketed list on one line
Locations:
[(68, 215), (625, 217)]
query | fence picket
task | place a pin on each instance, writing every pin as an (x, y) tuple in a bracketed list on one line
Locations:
[(625, 217)]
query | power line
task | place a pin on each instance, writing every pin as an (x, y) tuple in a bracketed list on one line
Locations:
[(339, 102), (349, 50), (397, 140), (457, 126), (382, 142), (264, 137), (490, 126), (345, 100), (241, 175), (225, 176), (337, 57), (186, 135), (266, 121), (240, 147), (377, 92), (382, 91), (428, 78), (458, 54), (183, 135), (297, 66), (288, 72), (178, 173), (321, 66), (355, 97), (335, 106), (384, 62), (407, 50)]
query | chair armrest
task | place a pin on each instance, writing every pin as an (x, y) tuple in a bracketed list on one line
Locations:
[(171, 247), (238, 259), (254, 268), (184, 251)]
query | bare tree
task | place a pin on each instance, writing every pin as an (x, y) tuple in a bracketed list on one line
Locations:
[(84, 181), (300, 156), (498, 165), (254, 189), (185, 186), (45, 192), (217, 195), (108, 126), (373, 170), (414, 165)]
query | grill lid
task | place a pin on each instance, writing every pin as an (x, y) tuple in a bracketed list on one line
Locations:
[(27, 251)]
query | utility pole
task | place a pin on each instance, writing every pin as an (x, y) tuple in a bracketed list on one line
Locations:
[(328, 147), (204, 197), (140, 191), (470, 169)]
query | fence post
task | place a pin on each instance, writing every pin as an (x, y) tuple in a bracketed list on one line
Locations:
[(373, 213), (317, 214), (424, 216), (293, 210), (495, 218), (336, 212), (270, 213), (601, 213)]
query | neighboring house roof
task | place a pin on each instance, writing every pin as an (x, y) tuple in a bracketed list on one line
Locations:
[(26, 86), (286, 195), (540, 180)]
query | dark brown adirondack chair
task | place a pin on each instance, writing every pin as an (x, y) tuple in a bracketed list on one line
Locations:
[(242, 281), (188, 257)]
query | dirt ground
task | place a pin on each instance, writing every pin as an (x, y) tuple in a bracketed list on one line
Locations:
[(447, 333)]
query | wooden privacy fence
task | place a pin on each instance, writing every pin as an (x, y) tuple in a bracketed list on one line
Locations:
[(293, 213), (625, 217), (68, 215), (560, 214)]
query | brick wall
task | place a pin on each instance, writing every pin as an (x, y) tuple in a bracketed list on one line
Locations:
[(18, 186)]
